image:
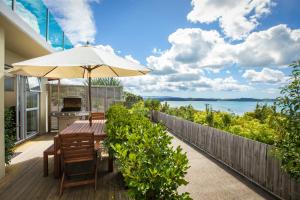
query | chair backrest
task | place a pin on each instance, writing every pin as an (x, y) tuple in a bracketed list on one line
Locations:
[(77, 146), (98, 116)]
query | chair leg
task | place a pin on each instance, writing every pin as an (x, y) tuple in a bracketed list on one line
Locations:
[(96, 173), (61, 190), (45, 164)]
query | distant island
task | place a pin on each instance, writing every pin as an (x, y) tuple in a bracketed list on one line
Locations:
[(168, 98)]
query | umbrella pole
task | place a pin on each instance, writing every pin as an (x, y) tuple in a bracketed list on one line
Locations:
[(90, 96)]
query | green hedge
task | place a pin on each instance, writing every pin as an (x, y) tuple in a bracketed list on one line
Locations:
[(10, 134), (151, 167)]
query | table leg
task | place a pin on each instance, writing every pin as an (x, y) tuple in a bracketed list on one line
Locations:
[(110, 163), (45, 164), (56, 167)]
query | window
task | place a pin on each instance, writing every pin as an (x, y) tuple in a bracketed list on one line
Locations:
[(9, 84), (33, 84)]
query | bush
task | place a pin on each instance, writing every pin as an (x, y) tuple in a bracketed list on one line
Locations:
[(140, 109), (287, 146), (151, 168), (152, 104), (10, 134), (131, 99), (260, 125)]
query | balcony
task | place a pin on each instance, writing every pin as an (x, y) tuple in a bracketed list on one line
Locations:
[(41, 20)]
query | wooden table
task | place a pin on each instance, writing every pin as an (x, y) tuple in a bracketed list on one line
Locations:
[(81, 126)]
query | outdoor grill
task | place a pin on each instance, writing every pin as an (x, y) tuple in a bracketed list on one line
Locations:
[(71, 111), (71, 104)]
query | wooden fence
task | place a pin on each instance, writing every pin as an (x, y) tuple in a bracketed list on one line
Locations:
[(249, 158)]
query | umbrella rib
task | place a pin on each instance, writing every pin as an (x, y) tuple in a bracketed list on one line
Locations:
[(113, 71), (142, 73), (83, 72), (49, 71)]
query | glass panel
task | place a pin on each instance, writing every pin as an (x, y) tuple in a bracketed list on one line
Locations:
[(67, 43), (8, 3), (32, 117), (33, 84), (32, 99), (34, 13), (9, 84), (55, 34)]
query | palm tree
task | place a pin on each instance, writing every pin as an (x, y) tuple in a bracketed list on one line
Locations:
[(105, 82)]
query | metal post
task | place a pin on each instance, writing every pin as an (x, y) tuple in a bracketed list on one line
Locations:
[(13, 4), (47, 24), (90, 95), (18, 108), (58, 95), (63, 40)]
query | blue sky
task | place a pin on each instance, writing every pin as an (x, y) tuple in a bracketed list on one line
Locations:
[(196, 48)]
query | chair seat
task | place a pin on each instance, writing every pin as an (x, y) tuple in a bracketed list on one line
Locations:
[(79, 159)]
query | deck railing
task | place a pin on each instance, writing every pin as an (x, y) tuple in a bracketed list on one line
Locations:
[(39, 18), (249, 158)]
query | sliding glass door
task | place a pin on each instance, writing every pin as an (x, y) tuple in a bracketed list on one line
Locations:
[(28, 107), (32, 113)]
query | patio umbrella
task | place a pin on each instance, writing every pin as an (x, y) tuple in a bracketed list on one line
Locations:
[(79, 62)]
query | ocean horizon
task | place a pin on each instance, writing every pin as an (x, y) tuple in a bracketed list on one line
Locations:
[(236, 107)]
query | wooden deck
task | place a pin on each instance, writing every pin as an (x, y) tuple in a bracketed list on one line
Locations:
[(24, 177)]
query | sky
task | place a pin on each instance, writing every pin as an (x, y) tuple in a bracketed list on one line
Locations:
[(196, 48)]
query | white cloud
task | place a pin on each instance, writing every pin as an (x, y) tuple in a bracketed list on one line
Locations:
[(156, 51), (106, 48), (266, 75), (195, 49), (237, 18), (277, 46), (194, 53), (273, 91), (150, 83), (130, 58), (76, 18), (191, 49)]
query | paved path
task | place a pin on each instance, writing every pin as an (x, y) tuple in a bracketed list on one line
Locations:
[(209, 180)]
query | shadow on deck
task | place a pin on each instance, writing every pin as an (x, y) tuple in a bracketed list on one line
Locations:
[(24, 177)]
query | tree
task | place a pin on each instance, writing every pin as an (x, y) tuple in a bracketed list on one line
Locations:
[(152, 104), (131, 99), (287, 146), (105, 82)]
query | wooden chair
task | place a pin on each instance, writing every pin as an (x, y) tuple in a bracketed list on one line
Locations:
[(97, 116), (49, 151), (77, 148)]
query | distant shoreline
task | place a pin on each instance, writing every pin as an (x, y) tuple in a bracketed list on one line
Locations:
[(207, 99)]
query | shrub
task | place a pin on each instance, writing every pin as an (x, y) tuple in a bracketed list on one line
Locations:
[(260, 125), (288, 143), (10, 134), (152, 104), (116, 125), (151, 168), (131, 99), (140, 109)]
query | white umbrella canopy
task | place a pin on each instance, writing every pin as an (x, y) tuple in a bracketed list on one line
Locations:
[(79, 62)]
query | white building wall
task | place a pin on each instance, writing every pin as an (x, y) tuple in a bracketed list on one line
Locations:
[(2, 57)]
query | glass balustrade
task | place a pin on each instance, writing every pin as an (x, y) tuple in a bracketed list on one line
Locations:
[(36, 14)]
